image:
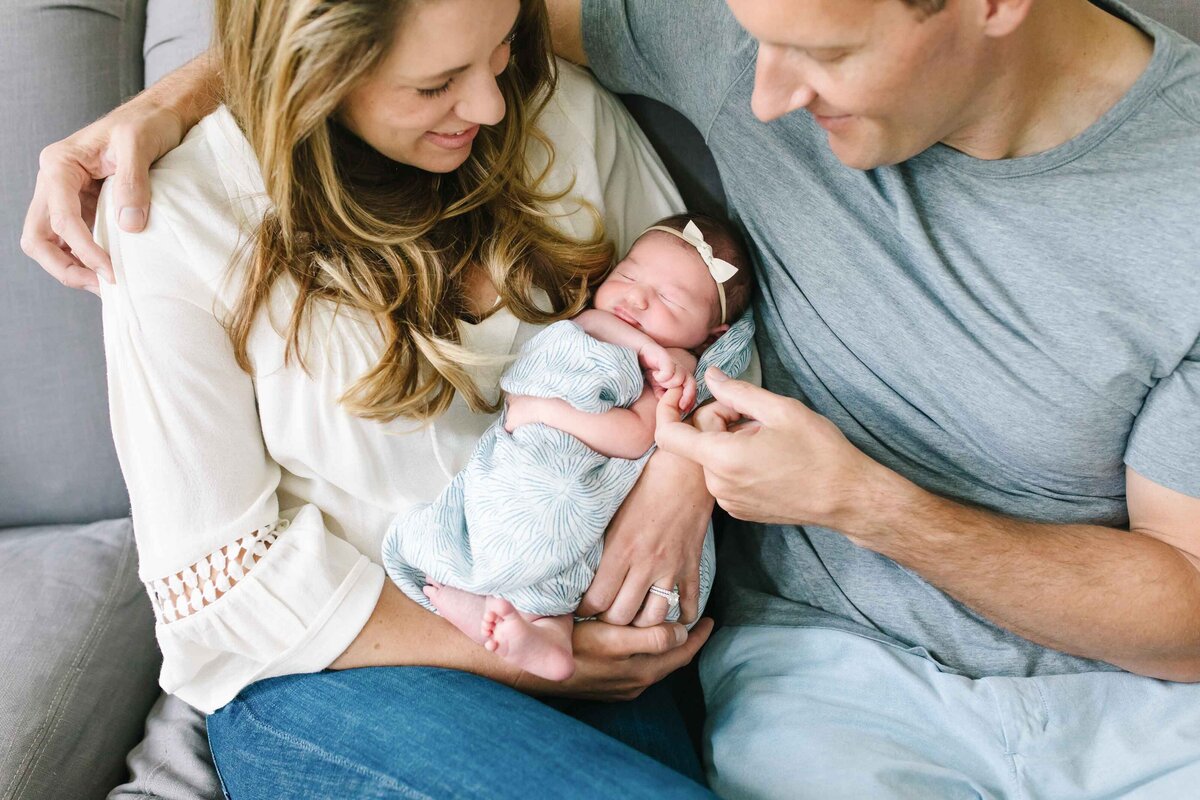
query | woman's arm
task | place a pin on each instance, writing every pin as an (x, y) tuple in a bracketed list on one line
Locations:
[(123, 144), (611, 662)]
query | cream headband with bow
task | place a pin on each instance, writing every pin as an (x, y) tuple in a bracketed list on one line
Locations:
[(720, 269)]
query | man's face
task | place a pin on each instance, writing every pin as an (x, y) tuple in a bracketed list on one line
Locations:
[(884, 80)]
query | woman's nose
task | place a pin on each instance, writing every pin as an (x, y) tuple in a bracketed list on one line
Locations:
[(482, 103)]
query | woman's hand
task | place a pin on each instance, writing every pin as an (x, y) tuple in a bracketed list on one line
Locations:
[(615, 662), (655, 539)]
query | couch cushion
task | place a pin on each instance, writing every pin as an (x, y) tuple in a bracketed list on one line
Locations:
[(79, 662), (173, 762)]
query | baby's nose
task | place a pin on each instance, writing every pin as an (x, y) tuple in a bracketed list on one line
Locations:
[(637, 297)]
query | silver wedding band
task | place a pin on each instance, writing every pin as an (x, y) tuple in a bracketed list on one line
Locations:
[(670, 595)]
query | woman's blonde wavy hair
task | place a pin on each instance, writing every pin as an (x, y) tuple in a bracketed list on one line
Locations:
[(355, 229)]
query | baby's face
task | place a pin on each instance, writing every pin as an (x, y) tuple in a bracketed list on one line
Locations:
[(663, 289)]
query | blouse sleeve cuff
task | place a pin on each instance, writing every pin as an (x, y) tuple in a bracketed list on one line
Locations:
[(295, 612)]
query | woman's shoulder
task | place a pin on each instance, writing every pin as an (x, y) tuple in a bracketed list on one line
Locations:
[(204, 195), (580, 108)]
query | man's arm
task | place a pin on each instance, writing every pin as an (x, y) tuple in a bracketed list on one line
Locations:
[(1131, 598), (566, 29)]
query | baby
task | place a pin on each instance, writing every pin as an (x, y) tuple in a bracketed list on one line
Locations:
[(507, 550)]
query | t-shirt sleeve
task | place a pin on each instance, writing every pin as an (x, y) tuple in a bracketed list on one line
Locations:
[(684, 53), (1165, 443)]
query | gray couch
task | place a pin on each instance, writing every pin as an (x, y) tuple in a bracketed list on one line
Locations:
[(78, 661)]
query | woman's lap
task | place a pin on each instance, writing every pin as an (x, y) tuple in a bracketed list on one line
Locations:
[(425, 732)]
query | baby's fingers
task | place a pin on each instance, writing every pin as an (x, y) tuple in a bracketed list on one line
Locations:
[(688, 398)]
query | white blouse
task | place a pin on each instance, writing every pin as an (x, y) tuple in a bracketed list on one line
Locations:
[(220, 464)]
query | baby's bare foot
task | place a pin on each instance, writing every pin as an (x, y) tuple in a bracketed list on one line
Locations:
[(463, 609), (541, 647)]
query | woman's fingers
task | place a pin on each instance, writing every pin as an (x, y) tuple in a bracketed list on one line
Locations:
[(609, 578), (654, 611), (629, 599)]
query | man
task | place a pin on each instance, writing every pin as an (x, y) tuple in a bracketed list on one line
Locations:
[(967, 512)]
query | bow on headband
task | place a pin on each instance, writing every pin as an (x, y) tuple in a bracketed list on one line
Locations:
[(720, 269)]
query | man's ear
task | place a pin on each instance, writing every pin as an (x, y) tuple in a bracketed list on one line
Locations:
[(1002, 17)]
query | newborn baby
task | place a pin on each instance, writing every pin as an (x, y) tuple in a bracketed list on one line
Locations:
[(507, 550)]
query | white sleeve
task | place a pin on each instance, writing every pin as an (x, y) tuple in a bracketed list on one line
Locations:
[(288, 598)]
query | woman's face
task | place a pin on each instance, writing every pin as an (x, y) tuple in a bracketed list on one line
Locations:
[(425, 102)]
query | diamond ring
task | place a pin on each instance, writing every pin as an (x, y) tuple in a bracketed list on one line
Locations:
[(670, 595)]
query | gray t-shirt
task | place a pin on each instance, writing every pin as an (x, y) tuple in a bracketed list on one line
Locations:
[(1007, 333)]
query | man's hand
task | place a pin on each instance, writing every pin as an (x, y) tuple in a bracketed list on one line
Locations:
[(785, 464), (57, 232), (58, 225)]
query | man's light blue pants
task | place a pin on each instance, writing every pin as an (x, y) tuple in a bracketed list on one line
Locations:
[(813, 712)]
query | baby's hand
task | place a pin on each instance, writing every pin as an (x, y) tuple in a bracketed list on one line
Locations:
[(670, 368)]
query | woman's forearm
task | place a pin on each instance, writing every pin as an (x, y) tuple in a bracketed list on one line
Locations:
[(401, 633)]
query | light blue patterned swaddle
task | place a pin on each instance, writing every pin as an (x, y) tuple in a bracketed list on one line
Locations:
[(525, 519)]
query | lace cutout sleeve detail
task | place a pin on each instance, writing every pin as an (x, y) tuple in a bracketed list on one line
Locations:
[(202, 583)]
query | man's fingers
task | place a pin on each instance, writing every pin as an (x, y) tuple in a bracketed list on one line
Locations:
[(60, 264), (682, 655), (65, 218), (746, 398), (132, 192), (675, 436)]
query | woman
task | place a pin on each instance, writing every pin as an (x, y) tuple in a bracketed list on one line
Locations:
[(307, 337)]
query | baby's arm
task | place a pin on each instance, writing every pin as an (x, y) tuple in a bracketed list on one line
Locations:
[(617, 433), (667, 367), (609, 328)]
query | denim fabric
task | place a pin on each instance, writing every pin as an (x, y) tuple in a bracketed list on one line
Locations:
[(423, 732)]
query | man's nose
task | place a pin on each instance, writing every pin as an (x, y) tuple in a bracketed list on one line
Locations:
[(779, 87)]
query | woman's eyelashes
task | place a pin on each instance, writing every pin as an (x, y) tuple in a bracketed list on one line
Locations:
[(437, 91)]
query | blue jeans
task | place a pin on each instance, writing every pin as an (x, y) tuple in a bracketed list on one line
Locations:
[(422, 732)]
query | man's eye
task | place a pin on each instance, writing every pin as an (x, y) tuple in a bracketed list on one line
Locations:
[(435, 92)]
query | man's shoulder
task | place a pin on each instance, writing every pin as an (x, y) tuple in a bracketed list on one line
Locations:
[(1180, 87)]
